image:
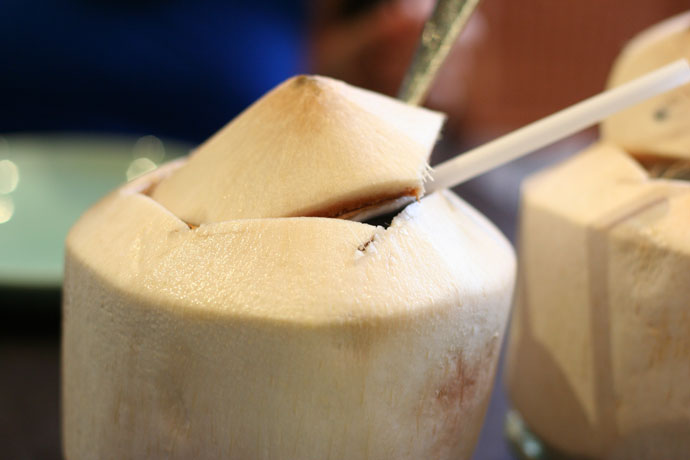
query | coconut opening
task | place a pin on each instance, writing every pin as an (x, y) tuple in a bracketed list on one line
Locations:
[(664, 167), (358, 210), (376, 211), (384, 220)]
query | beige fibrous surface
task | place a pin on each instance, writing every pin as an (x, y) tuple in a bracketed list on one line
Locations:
[(201, 327), (599, 353), (658, 126), (320, 148)]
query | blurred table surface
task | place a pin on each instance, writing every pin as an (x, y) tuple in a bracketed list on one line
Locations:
[(30, 332)]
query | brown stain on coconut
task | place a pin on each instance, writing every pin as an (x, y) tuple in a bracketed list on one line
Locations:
[(463, 391), (462, 383), (307, 81), (301, 80)]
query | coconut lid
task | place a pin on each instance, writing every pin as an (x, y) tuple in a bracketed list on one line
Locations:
[(658, 126), (313, 146)]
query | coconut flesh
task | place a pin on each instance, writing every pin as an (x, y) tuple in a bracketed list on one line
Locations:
[(599, 353), (216, 308)]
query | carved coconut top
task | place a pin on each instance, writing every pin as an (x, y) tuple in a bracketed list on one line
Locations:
[(313, 146), (657, 126)]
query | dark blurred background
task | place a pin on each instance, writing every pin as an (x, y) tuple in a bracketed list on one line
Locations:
[(157, 74)]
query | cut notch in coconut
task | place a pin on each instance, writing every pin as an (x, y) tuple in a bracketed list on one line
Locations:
[(663, 167), (313, 146)]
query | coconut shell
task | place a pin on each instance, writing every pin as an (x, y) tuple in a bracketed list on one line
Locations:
[(292, 338), (599, 353)]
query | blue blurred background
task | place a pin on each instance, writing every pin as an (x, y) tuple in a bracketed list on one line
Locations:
[(177, 68)]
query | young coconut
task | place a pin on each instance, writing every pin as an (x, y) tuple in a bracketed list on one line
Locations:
[(257, 335), (599, 353)]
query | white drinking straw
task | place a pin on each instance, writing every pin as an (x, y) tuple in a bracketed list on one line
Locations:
[(557, 126)]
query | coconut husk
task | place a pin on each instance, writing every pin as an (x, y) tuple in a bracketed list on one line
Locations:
[(313, 146), (657, 126), (599, 352), (291, 338)]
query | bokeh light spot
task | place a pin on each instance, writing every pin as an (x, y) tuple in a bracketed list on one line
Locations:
[(6, 209), (149, 147), (140, 166), (9, 176)]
